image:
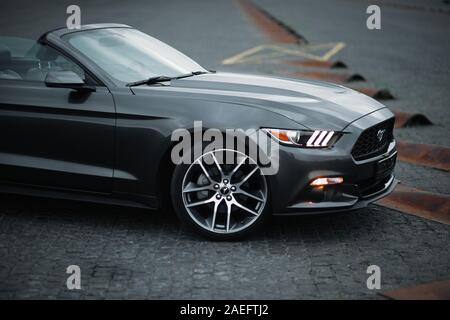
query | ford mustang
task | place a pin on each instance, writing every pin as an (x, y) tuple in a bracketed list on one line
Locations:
[(88, 114)]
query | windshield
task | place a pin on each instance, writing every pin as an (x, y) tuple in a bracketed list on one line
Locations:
[(129, 55)]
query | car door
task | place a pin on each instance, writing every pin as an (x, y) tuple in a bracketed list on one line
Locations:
[(53, 137)]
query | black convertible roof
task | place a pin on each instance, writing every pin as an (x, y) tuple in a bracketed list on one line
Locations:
[(59, 32)]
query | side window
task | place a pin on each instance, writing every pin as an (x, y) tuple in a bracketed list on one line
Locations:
[(17, 62)]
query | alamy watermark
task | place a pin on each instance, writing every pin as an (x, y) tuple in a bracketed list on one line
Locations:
[(255, 143), (73, 282), (374, 280), (373, 22), (74, 19)]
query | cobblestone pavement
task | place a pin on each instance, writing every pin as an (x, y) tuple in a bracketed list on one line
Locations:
[(130, 253), (422, 177)]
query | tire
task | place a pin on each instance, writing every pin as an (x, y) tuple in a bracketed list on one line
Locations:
[(221, 201)]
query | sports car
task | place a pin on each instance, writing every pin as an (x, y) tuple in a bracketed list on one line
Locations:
[(89, 114)]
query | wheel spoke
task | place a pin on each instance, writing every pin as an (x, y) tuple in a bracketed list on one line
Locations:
[(217, 164), (213, 223), (245, 193), (198, 203), (204, 170), (248, 176), (191, 187), (237, 204), (228, 216), (237, 167)]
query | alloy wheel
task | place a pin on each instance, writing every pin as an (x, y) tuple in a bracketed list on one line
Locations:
[(224, 196)]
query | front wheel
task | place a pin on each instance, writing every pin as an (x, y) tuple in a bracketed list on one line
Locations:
[(219, 198)]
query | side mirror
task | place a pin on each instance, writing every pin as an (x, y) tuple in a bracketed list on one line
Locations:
[(66, 79)]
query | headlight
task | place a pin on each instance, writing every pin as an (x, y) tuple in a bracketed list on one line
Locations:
[(304, 139)]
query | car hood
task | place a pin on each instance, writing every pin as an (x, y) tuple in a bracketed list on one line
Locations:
[(313, 104)]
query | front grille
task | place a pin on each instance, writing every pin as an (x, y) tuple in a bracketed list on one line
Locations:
[(369, 145)]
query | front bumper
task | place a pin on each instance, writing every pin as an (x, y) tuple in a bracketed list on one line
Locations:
[(345, 203), (364, 182)]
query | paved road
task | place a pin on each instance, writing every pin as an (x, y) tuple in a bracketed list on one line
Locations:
[(129, 253), (125, 253)]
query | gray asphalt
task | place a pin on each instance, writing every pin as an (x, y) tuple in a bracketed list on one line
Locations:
[(128, 253), (207, 31)]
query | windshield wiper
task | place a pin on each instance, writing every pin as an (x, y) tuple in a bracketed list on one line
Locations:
[(157, 79)]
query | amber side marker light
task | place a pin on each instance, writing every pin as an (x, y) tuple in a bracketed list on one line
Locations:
[(326, 181)]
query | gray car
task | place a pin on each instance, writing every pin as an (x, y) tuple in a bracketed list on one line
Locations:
[(89, 114)]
